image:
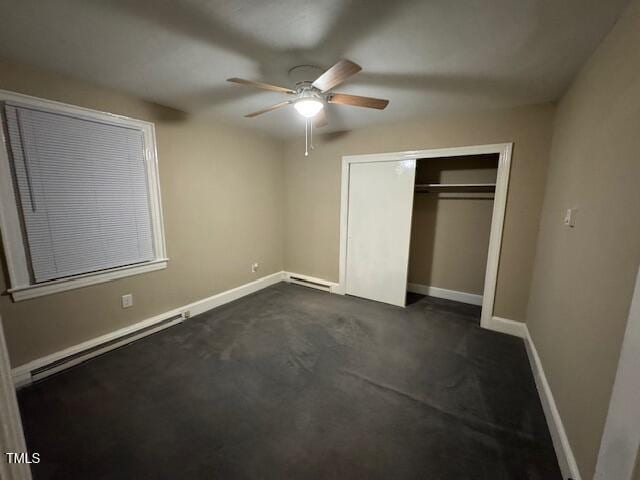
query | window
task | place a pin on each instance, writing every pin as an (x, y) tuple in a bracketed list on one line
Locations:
[(80, 202)]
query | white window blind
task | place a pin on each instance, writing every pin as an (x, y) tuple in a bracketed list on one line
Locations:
[(83, 192)]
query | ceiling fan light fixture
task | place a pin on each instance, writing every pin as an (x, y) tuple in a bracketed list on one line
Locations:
[(308, 106), (311, 96)]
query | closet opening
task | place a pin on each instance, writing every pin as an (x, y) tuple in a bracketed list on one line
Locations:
[(450, 228), (382, 232)]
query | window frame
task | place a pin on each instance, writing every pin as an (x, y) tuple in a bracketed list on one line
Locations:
[(11, 229)]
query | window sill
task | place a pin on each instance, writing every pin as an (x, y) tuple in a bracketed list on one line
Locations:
[(56, 286)]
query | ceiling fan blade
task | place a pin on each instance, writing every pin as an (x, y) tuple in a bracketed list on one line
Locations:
[(320, 120), (336, 75), (268, 109), (358, 101), (264, 86)]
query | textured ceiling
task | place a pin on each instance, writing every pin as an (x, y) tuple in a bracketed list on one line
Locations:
[(426, 56)]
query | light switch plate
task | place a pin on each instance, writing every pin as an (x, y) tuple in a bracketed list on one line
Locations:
[(570, 217)]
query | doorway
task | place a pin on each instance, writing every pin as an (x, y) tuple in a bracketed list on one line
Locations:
[(391, 271), (452, 210)]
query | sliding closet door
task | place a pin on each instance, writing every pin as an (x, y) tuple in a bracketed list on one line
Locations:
[(379, 230)]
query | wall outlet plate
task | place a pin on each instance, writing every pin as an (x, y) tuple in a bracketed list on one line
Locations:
[(254, 267), (127, 300)]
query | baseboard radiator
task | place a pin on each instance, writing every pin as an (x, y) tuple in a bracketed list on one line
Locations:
[(306, 282), (84, 355)]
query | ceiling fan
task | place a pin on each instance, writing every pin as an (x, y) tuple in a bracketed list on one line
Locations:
[(310, 97)]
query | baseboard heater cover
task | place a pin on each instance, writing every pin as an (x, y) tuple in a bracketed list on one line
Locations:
[(80, 357), (310, 283)]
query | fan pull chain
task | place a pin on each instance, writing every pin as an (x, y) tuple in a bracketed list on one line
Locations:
[(306, 137), (311, 135)]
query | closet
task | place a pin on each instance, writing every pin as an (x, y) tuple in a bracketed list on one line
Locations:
[(451, 224)]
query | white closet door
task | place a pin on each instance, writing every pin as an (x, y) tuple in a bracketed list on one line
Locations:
[(379, 230)]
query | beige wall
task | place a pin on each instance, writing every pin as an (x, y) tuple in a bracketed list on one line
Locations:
[(312, 188), (584, 276), (223, 202), (450, 231)]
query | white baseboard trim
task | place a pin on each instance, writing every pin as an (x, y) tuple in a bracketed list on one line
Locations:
[(312, 282), (206, 304), (510, 327), (566, 459), (22, 374), (454, 295)]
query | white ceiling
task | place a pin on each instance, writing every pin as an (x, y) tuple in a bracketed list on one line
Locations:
[(426, 56)]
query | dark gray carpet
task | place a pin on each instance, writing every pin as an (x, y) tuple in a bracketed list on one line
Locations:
[(296, 383)]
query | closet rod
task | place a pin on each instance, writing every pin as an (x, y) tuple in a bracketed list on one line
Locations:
[(466, 187)]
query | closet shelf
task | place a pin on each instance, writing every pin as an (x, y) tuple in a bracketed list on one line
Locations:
[(455, 187)]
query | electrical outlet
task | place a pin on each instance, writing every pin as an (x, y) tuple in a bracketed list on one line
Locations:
[(186, 313), (254, 267), (127, 300)]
